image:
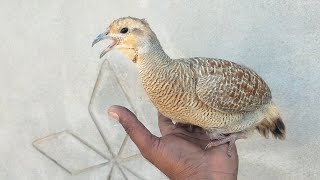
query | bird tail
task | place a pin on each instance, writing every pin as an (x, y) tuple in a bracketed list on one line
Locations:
[(272, 123)]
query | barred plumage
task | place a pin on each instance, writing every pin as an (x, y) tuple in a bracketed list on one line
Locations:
[(217, 95)]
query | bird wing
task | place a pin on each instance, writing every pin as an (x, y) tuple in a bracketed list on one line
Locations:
[(229, 87)]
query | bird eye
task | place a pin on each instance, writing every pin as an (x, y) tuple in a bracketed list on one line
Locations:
[(124, 30)]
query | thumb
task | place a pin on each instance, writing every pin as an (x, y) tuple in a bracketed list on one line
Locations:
[(139, 134)]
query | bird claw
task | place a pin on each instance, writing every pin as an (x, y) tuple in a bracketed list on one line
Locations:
[(231, 139)]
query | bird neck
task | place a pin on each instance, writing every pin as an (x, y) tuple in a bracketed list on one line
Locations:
[(153, 66), (152, 56)]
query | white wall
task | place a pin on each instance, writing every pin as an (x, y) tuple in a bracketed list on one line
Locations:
[(48, 69)]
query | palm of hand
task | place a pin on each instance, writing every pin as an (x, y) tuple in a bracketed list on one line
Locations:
[(184, 150), (179, 153)]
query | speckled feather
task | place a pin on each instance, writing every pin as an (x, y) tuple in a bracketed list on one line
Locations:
[(217, 95), (229, 87), (184, 90)]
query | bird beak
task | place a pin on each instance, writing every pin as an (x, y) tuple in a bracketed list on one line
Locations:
[(103, 36)]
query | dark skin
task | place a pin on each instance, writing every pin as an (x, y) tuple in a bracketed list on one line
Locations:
[(179, 153)]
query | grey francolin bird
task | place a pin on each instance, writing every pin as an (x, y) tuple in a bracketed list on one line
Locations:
[(227, 100)]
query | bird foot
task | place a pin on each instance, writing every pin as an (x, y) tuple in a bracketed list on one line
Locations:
[(231, 139)]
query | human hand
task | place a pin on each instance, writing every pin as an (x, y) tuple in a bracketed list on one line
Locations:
[(178, 153)]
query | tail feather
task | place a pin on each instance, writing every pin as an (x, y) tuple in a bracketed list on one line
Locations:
[(275, 126)]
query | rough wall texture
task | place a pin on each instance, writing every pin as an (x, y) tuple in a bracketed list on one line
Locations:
[(48, 69)]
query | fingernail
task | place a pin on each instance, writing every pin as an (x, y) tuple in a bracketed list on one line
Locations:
[(114, 115)]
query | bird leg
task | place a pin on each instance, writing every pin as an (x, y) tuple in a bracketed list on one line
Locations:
[(231, 139)]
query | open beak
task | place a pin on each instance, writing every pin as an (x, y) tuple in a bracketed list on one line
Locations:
[(103, 36)]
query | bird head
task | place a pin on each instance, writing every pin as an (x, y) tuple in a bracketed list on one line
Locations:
[(129, 35)]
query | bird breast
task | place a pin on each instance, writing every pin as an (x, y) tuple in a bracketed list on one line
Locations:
[(171, 88), (168, 86)]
